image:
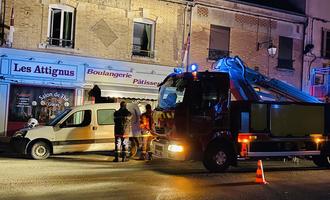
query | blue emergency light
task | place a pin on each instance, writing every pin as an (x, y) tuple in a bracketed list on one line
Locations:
[(193, 67), (178, 70)]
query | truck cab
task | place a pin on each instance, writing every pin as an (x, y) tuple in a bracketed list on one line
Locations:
[(193, 110)]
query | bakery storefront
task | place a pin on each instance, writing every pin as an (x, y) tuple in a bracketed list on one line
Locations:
[(40, 84), (130, 86)]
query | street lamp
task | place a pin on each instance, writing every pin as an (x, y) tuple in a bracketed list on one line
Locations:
[(271, 47)]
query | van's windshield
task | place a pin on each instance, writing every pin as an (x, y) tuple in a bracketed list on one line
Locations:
[(58, 117)]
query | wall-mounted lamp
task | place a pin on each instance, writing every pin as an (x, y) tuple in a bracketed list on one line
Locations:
[(31, 59), (271, 49), (59, 62)]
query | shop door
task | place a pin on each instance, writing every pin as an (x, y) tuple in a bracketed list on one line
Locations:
[(76, 133)]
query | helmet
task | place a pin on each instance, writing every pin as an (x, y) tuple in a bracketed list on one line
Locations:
[(32, 122)]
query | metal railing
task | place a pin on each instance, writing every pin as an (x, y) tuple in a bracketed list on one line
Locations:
[(60, 42), (216, 54), (137, 51)]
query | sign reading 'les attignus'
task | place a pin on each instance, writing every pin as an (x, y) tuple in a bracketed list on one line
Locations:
[(43, 70)]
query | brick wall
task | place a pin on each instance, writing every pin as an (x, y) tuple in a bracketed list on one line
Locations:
[(103, 28), (245, 32)]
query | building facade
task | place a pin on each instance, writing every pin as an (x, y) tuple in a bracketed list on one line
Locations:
[(235, 28), (54, 51), (317, 49)]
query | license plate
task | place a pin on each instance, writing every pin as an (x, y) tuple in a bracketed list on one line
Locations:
[(159, 148)]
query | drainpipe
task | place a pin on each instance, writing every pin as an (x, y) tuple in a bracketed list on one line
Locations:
[(3, 14), (303, 56), (189, 33), (183, 33)]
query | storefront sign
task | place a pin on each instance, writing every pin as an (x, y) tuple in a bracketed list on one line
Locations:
[(43, 70), (120, 77)]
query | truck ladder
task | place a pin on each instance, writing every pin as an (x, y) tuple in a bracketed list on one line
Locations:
[(243, 77)]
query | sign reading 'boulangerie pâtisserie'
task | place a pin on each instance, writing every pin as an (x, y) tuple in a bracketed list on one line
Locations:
[(43, 70), (122, 77)]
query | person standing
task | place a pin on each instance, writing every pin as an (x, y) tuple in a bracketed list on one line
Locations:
[(122, 118), (147, 128)]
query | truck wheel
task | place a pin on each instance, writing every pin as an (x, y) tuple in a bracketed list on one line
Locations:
[(322, 161), (133, 148), (216, 158), (40, 150)]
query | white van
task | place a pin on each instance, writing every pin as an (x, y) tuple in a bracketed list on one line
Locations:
[(79, 129)]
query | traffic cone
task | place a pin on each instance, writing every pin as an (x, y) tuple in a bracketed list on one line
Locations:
[(260, 177)]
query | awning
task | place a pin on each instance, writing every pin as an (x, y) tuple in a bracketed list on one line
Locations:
[(129, 92)]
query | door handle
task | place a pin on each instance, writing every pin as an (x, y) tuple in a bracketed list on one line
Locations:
[(94, 128)]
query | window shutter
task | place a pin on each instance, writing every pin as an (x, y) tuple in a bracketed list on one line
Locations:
[(322, 43)]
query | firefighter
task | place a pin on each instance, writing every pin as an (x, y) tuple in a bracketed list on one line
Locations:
[(147, 129), (122, 118)]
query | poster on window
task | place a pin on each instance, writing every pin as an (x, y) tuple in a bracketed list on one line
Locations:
[(41, 103)]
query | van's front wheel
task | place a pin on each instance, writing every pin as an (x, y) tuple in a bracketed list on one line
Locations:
[(40, 150)]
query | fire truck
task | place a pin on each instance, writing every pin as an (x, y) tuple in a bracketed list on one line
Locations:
[(233, 113)]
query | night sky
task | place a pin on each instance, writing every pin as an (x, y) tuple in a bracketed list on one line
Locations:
[(297, 6)]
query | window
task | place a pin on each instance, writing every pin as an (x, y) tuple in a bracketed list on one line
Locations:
[(78, 119), (171, 93), (326, 43), (105, 117), (219, 42), (285, 53), (143, 38), (61, 25)]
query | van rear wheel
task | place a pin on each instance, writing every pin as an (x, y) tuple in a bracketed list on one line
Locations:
[(40, 150)]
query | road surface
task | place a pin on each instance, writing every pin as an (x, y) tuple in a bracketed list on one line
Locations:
[(95, 176)]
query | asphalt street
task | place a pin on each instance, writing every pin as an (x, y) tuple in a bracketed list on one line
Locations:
[(95, 176)]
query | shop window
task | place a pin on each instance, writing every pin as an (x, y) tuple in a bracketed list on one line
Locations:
[(326, 43), (79, 119), (61, 26), (39, 102), (105, 117), (143, 38), (285, 53), (219, 42)]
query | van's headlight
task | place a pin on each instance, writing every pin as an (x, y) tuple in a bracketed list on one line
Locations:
[(20, 134), (175, 148)]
